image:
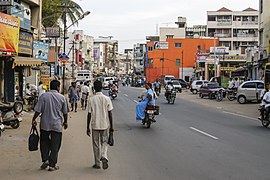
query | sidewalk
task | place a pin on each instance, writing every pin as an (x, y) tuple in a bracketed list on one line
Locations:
[(249, 109)]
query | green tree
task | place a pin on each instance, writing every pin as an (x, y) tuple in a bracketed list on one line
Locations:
[(53, 11)]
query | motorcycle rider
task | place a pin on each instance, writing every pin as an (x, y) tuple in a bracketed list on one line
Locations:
[(263, 104), (157, 86), (148, 100), (113, 87), (169, 87)]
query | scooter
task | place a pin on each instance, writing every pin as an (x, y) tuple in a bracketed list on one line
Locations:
[(10, 115), (113, 93)]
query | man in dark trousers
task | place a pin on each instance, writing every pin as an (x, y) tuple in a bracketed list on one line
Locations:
[(53, 108), (100, 116)]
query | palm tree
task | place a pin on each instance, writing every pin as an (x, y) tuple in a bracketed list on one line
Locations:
[(54, 11)]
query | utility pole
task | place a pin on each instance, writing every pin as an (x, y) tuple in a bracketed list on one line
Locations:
[(162, 60), (64, 51), (73, 47)]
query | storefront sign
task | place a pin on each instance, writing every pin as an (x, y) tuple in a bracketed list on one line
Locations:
[(161, 45), (6, 2), (219, 50), (227, 68), (23, 14), (25, 43), (53, 32), (9, 34), (40, 50)]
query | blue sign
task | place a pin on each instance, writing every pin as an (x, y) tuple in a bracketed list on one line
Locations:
[(23, 14), (63, 56), (40, 50)]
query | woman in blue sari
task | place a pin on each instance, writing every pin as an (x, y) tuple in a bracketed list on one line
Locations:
[(148, 100)]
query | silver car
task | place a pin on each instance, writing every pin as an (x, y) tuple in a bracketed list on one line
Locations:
[(249, 91)]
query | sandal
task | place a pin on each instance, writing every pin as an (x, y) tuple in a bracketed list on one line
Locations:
[(53, 168), (96, 166)]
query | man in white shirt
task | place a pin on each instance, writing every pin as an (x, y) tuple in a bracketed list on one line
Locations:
[(231, 83), (40, 89), (237, 83), (100, 116), (85, 94), (263, 103)]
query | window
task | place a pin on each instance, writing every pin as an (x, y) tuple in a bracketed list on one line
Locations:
[(211, 18), (169, 36), (178, 45), (150, 48), (199, 83), (260, 85), (141, 62), (177, 62), (249, 85)]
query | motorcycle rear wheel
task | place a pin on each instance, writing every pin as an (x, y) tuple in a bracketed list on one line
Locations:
[(148, 123), (231, 97), (16, 124)]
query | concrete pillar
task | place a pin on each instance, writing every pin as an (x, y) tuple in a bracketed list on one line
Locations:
[(206, 71), (9, 81)]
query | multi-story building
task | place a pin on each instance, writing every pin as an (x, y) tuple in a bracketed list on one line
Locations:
[(237, 30), (264, 29), (16, 62), (80, 49), (109, 48), (139, 56)]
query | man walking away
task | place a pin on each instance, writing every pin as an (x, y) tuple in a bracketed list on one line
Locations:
[(74, 95), (85, 94), (100, 116), (53, 108)]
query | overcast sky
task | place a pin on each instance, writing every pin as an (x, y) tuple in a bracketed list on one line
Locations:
[(129, 21)]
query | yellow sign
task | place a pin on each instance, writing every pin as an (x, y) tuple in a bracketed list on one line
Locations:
[(9, 34), (227, 68), (45, 79)]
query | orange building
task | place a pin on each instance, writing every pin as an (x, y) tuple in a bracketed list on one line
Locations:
[(177, 60)]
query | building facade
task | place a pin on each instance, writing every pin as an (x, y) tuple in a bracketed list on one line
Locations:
[(139, 58), (264, 29)]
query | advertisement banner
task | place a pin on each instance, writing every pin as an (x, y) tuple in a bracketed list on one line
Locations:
[(96, 54), (23, 14), (9, 34), (25, 43), (40, 50), (161, 45)]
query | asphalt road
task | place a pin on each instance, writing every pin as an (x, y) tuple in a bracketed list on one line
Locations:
[(189, 141)]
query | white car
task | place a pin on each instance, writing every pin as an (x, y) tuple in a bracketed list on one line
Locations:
[(195, 86), (106, 82), (177, 86)]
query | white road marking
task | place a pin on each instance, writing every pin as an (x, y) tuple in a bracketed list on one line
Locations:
[(126, 95), (239, 115), (135, 101), (119, 91), (204, 133)]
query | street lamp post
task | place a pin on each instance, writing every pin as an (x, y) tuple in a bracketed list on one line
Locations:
[(64, 45)]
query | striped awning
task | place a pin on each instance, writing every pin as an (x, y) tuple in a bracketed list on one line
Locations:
[(26, 61)]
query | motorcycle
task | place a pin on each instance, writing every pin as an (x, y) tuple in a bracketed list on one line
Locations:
[(264, 119), (220, 95), (2, 128), (113, 93), (10, 115), (150, 113), (170, 96), (231, 94), (157, 90)]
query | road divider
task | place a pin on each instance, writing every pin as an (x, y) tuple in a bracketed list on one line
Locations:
[(204, 133)]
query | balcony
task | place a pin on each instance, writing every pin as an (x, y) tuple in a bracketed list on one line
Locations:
[(223, 35), (250, 22)]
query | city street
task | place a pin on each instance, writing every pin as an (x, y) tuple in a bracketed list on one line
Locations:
[(192, 139)]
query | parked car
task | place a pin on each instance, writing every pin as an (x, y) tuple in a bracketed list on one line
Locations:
[(177, 86), (167, 78), (209, 90), (183, 83), (249, 91), (195, 86)]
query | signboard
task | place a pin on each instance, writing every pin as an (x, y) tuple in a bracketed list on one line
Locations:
[(227, 68), (23, 14), (9, 34), (63, 58), (25, 43), (45, 76), (96, 54), (219, 50), (40, 50), (161, 45), (53, 32), (6, 2)]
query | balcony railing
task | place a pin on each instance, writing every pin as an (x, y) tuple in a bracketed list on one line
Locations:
[(223, 35), (250, 22), (243, 35)]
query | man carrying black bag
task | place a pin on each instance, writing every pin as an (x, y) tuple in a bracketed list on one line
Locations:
[(100, 115), (53, 108)]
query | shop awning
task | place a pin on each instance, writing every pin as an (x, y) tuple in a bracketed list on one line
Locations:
[(26, 61)]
